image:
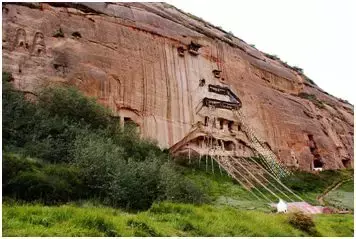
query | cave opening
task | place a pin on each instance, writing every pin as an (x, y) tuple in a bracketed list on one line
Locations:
[(239, 127), (221, 121), (216, 73), (128, 122), (180, 51), (206, 121), (230, 125), (202, 82), (318, 163), (229, 145), (346, 163), (194, 48)]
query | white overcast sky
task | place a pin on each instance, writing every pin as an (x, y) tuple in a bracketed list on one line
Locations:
[(316, 35)]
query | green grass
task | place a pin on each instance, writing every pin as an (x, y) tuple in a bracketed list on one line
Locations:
[(335, 225), (232, 212), (163, 219), (223, 190), (312, 98), (343, 197), (310, 186)]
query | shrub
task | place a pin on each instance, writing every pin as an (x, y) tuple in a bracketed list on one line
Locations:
[(84, 154), (6, 76), (19, 116), (312, 98), (58, 33), (309, 80), (176, 188), (30, 180), (68, 102), (76, 35), (303, 222), (273, 57), (135, 185)]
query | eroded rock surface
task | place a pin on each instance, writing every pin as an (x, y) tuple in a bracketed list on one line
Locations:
[(152, 64)]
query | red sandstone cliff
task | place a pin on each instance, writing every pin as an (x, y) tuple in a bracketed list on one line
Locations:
[(127, 56)]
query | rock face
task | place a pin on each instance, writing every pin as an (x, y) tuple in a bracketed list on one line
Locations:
[(180, 79)]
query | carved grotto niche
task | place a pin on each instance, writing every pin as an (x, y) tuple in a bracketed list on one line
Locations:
[(20, 39), (216, 73), (180, 51), (194, 48), (346, 162), (318, 162), (38, 46)]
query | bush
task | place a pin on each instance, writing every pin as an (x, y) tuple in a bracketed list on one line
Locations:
[(303, 222), (30, 180), (19, 116), (312, 98), (176, 188), (58, 33), (83, 154), (68, 102), (309, 182)]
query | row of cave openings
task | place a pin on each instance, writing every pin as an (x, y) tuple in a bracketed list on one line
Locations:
[(193, 49), (227, 145), (223, 124)]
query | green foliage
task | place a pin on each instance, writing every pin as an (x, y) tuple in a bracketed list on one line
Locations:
[(68, 102), (273, 57), (309, 182), (309, 185), (313, 99), (142, 229), (74, 136), (6, 76), (18, 116), (229, 35), (342, 197), (58, 33), (335, 225), (309, 80), (303, 222), (298, 69), (32, 180), (163, 219), (179, 189), (99, 223)]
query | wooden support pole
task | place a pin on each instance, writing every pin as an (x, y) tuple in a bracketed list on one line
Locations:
[(219, 165), (206, 163), (212, 164), (189, 156)]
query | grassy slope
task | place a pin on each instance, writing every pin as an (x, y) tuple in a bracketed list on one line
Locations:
[(227, 216), (343, 197), (223, 190), (164, 219)]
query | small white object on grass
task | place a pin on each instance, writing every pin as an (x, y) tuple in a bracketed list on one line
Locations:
[(282, 206)]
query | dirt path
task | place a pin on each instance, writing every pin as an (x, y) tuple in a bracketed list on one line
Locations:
[(332, 187)]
